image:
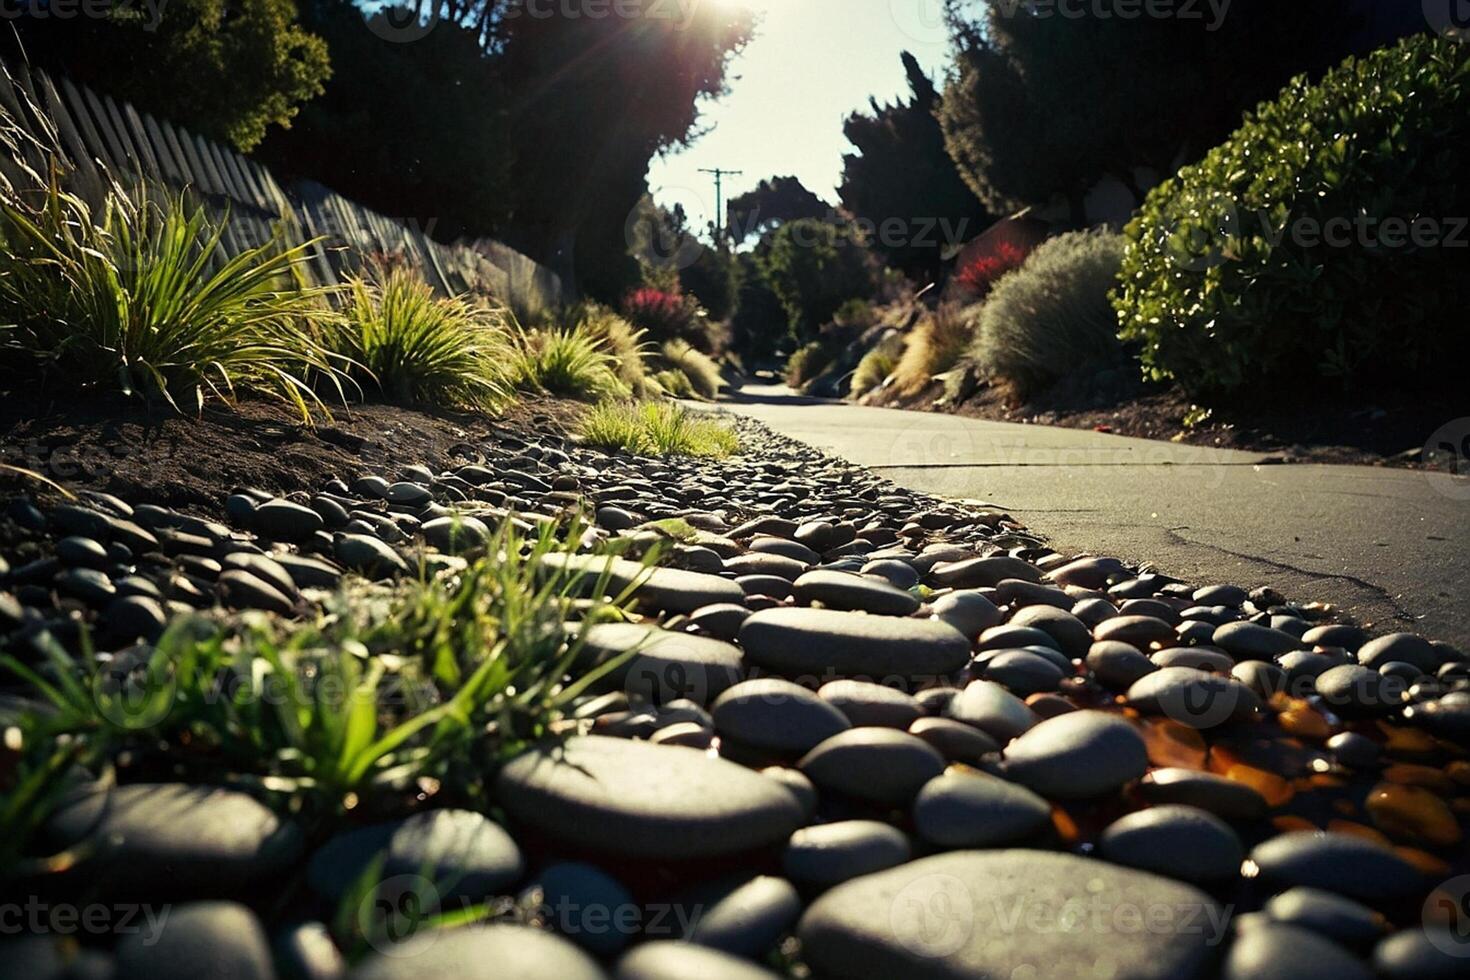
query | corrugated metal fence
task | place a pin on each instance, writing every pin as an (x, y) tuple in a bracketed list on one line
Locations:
[(96, 129)]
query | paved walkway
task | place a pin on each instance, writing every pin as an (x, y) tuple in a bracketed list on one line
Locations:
[(1390, 546)]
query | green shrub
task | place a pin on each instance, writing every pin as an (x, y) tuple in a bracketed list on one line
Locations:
[(424, 349), (1225, 283), (877, 364), (567, 362), (134, 298), (815, 267), (674, 383), (702, 373), (809, 361), (934, 346), (657, 429), (1052, 316)]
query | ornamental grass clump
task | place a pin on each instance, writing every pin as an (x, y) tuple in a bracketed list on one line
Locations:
[(135, 294), (418, 348)]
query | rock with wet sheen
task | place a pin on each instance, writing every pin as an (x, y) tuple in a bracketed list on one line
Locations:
[(1077, 755), (1178, 841), (878, 765), (858, 593)]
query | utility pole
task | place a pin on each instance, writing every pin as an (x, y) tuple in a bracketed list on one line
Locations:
[(720, 176)]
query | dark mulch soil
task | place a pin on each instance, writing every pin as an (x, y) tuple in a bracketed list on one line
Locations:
[(191, 462), (1388, 429)]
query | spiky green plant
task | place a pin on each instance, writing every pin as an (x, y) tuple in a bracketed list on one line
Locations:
[(570, 362), (138, 295), (425, 349), (624, 342), (437, 681), (877, 364), (657, 429)]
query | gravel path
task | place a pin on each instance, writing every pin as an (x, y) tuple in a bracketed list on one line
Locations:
[(864, 732)]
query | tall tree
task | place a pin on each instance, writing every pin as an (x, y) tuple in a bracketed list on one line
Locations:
[(1041, 105), (775, 201), (415, 129), (903, 185), (592, 101), (226, 69)]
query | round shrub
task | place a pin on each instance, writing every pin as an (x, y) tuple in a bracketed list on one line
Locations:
[(1052, 318), (1324, 240)]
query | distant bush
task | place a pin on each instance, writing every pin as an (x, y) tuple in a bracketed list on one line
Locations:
[(702, 373), (1052, 317), (934, 346), (657, 429), (981, 274), (877, 364), (814, 267), (666, 314), (418, 348), (809, 361), (1231, 279)]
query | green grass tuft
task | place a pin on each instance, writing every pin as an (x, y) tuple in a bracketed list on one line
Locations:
[(877, 364), (657, 429), (387, 688)]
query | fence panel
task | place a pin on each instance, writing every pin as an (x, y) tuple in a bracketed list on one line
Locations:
[(94, 128)]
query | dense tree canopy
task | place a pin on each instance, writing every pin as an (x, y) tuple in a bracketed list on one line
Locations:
[(1041, 104), (903, 185), (226, 69), (774, 201)]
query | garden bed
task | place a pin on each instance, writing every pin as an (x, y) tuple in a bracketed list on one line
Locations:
[(192, 462)]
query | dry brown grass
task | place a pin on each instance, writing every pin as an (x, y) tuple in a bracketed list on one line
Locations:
[(934, 347)]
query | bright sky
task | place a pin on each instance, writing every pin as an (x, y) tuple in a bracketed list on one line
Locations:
[(812, 63)]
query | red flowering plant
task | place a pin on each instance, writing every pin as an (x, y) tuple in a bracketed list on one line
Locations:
[(979, 275), (665, 314)]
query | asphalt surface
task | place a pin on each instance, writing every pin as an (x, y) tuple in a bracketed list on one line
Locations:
[(1391, 547)]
